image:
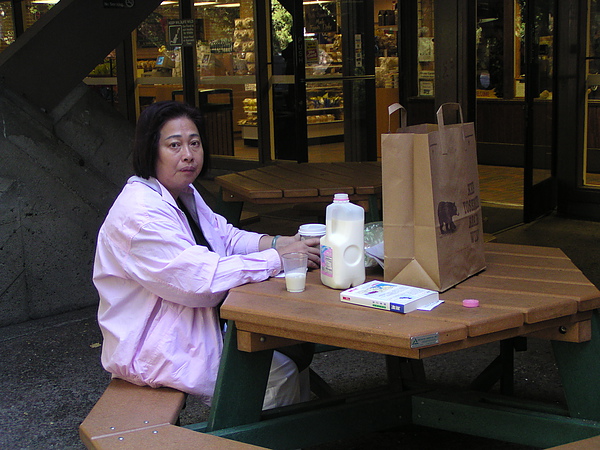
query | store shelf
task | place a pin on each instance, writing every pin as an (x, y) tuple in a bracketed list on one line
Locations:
[(315, 130), (331, 108), (100, 81), (387, 27)]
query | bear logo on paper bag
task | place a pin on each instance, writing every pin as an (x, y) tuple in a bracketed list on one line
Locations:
[(447, 210)]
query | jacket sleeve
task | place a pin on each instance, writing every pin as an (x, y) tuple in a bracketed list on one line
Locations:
[(164, 260)]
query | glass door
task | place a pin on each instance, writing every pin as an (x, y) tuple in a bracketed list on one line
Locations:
[(539, 182), (323, 84), (592, 134)]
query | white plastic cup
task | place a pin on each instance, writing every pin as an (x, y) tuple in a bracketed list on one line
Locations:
[(295, 267), (311, 230)]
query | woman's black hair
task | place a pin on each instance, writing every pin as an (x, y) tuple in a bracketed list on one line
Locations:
[(147, 135)]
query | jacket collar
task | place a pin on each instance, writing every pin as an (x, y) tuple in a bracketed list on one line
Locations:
[(187, 196)]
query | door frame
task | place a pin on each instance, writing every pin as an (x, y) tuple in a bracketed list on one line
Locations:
[(539, 198), (574, 199)]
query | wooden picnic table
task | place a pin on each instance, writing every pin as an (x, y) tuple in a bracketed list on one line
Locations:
[(292, 183), (525, 291)]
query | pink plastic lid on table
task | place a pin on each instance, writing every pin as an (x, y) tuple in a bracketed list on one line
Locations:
[(470, 303)]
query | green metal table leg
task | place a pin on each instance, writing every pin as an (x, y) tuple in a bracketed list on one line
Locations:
[(241, 385), (579, 368)]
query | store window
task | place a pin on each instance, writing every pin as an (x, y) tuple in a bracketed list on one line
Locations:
[(425, 49), (320, 82), (35, 9), (7, 29), (324, 59), (222, 36), (386, 64), (500, 39), (158, 64), (227, 75), (32, 10), (592, 146), (223, 42), (322, 93), (490, 49)]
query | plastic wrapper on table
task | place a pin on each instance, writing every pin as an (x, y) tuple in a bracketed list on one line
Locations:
[(373, 236)]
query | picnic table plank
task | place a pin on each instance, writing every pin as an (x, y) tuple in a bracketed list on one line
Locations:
[(119, 410), (533, 307), (518, 255), (525, 250), (304, 317), (322, 179), (237, 184), (170, 437), (362, 327), (301, 183), (302, 175), (337, 171), (287, 187), (528, 260), (479, 321), (544, 271), (523, 330), (586, 295), (370, 168), (534, 272), (365, 181)]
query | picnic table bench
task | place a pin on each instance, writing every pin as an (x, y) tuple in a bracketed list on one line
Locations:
[(128, 416)]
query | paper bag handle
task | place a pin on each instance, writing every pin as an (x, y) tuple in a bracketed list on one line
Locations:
[(440, 112), (441, 125), (391, 110)]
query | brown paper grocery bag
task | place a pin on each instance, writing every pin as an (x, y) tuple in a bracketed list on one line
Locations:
[(433, 234)]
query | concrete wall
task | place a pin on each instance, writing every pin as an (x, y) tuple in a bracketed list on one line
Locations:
[(59, 174)]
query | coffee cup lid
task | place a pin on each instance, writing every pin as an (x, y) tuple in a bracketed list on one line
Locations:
[(312, 229)]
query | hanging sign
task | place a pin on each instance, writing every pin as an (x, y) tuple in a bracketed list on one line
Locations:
[(182, 33), (320, 18), (312, 51)]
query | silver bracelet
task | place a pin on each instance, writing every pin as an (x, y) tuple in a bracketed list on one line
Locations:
[(274, 241)]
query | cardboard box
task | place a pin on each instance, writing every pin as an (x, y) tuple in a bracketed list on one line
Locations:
[(389, 296)]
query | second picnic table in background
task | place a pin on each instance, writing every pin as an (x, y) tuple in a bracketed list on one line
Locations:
[(293, 183)]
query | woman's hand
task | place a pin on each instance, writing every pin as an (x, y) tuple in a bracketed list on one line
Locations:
[(289, 244)]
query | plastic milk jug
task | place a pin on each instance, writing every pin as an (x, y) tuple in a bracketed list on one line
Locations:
[(342, 247)]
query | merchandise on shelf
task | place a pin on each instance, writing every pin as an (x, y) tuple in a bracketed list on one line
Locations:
[(387, 43), (386, 74), (320, 118), (324, 101), (250, 110), (243, 47), (146, 64)]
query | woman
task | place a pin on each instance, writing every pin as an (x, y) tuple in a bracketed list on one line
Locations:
[(165, 261)]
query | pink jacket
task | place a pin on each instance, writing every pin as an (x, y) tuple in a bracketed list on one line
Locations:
[(158, 289)]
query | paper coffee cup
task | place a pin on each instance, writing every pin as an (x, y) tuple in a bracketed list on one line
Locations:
[(311, 230)]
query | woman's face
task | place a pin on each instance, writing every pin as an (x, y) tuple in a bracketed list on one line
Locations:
[(180, 155)]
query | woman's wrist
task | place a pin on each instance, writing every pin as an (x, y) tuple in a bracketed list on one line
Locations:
[(274, 241)]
